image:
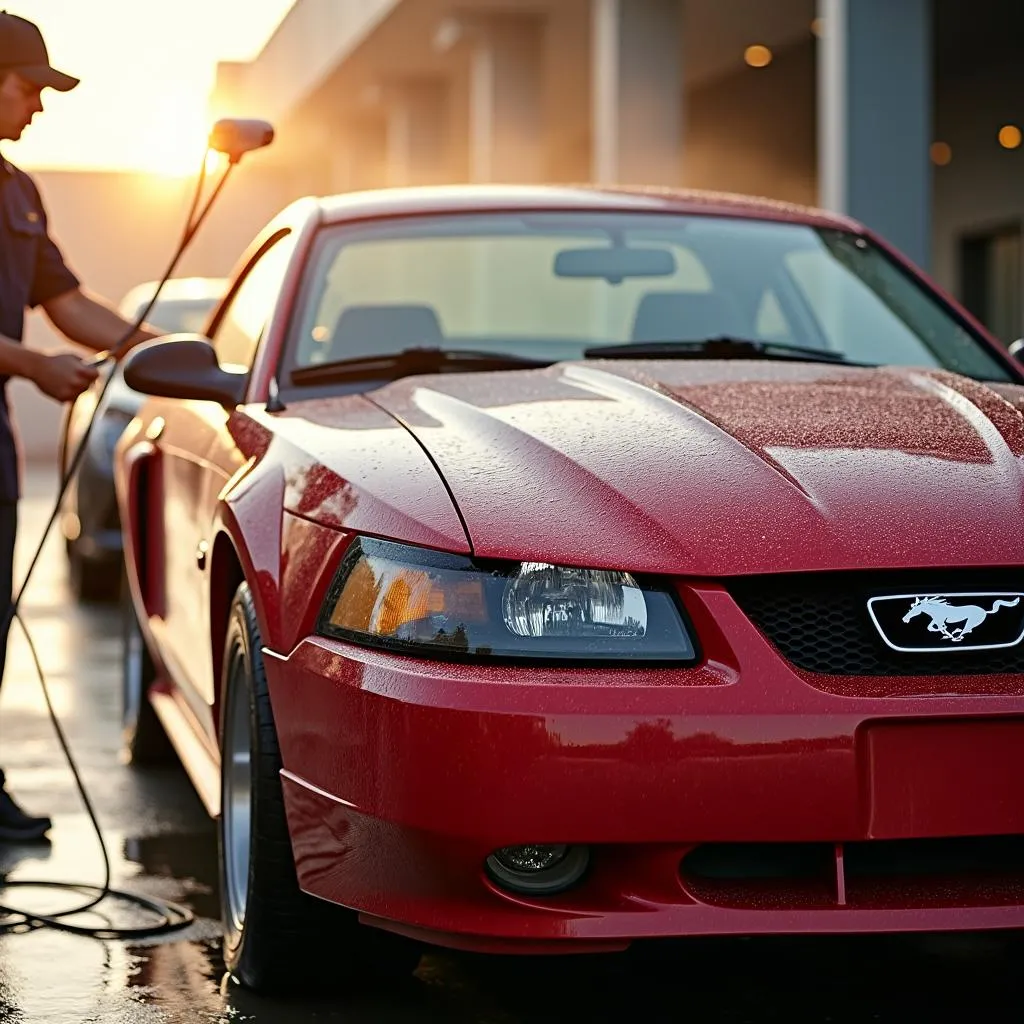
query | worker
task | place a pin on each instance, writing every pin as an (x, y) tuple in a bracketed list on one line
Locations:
[(33, 274)]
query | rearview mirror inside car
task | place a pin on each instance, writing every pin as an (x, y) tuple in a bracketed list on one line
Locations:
[(183, 366), (615, 264)]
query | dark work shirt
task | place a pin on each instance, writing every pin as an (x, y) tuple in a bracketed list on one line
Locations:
[(32, 271)]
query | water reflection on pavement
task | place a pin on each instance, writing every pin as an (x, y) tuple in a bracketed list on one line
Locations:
[(162, 844)]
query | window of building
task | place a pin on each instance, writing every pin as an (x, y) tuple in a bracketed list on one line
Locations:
[(992, 280)]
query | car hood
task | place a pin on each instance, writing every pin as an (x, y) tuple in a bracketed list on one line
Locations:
[(728, 467)]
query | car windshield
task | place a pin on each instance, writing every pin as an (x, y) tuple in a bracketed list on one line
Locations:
[(550, 286)]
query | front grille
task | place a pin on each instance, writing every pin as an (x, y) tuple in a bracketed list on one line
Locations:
[(964, 871), (820, 621)]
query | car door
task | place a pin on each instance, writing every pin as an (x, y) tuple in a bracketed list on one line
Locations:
[(192, 444)]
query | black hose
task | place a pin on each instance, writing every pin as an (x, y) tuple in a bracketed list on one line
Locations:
[(170, 916)]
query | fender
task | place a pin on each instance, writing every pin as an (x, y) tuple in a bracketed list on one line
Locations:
[(284, 557), (246, 545), (138, 473)]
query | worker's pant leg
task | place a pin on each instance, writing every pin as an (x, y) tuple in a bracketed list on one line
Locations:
[(8, 532)]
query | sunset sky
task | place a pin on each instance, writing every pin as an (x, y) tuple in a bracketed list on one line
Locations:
[(147, 67)]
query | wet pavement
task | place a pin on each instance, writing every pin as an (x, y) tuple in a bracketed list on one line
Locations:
[(162, 844)]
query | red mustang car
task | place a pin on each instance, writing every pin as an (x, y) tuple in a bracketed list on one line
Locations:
[(545, 569)]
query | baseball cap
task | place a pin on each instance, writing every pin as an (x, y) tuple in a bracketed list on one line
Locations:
[(22, 49)]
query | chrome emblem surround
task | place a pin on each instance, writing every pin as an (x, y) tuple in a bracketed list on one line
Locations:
[(952, 616)]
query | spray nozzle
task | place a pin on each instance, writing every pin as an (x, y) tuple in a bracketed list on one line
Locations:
[(237, 136)]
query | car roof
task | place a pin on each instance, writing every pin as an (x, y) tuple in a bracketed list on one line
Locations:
[(178, 289), (440, 199)]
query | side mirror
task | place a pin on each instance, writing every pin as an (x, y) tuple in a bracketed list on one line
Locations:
[(183, 366), (1017, 350)]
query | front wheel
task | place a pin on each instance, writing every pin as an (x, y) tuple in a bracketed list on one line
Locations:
[(276, 937)]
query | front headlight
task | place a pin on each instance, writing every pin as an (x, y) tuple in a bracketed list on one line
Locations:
[(413, 600)]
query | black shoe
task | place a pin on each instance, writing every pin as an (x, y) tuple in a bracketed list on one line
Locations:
[(16, 825)]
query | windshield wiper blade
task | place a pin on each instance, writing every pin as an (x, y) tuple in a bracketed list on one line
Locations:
[(410, 361), (722, 347)]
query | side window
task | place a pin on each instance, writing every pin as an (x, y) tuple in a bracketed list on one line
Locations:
[(241, 326)]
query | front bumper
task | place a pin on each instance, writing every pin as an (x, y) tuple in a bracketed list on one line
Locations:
[(401, 776)]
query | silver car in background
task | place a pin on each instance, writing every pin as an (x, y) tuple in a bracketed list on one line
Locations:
[(89, 518)]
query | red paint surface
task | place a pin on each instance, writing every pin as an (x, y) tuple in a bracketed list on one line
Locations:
[(430, 886), (726, 468), (944, 778), (403, 775)]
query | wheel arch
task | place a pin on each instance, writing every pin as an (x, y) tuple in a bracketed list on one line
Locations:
[(227, 574), (139, 486)]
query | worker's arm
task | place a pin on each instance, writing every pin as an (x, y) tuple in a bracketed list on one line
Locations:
[(90, 321), (62, 376)]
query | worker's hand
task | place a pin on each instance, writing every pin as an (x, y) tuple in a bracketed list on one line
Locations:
[(63, 377)]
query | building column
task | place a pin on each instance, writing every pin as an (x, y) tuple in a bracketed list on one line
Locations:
[(875, 117), (506, 102), (418, 151), (637, 91), (506, 93)]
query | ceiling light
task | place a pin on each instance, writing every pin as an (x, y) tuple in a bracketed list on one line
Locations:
[(1010, 136), (757, 56)]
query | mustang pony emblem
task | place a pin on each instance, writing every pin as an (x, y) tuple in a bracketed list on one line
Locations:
[(953, 621)]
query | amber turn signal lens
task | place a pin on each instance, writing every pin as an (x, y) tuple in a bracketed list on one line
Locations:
[(385, 598)]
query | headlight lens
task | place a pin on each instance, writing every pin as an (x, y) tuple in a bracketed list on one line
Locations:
[(550, 600), (418, 601)]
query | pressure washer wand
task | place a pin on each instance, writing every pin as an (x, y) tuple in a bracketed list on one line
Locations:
[(233, 137)]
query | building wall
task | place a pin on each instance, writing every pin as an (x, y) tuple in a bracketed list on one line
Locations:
[(754, 131), (304, 50), (983, 185), (117, 230)]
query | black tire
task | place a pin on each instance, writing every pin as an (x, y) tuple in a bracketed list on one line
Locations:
[(92, 582), (288, 941), (144, 742)]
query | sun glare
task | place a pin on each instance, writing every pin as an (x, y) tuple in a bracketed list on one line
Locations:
[(175, 142)]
